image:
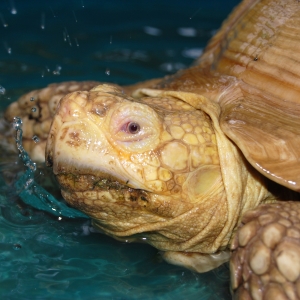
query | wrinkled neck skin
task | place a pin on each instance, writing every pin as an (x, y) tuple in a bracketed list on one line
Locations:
[(178, 183)]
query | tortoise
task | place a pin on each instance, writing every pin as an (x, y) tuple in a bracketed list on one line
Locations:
[(195, 163)]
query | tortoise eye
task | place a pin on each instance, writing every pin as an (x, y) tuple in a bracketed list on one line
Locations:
[(133, 128)]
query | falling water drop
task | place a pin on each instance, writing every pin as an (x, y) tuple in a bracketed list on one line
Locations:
[(32, 99), (74, 16), (82, 4), (3, 21), (8, 49), (194, 14), (57, 70), (54, 16), (43, 21), (35, 138), (2, 90), (76, 42), (30, 192), (110, 40), (66, 36), (13, 9), (107, 72), (33, 109)]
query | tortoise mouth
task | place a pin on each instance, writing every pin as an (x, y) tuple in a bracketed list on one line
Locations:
[(87, 182), (92, 194)]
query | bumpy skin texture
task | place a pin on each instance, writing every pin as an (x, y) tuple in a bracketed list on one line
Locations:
[(163, 183), (37, 109), (265, 263)]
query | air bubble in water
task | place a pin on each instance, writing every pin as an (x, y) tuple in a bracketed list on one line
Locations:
[(35, 138), (2, 90), (107, 72)]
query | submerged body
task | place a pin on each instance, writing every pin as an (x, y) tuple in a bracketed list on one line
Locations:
[(178, 161)]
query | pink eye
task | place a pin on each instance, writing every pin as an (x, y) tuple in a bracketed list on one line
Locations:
[(132, 128)]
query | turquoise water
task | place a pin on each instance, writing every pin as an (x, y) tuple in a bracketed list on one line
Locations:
[(45, 257)]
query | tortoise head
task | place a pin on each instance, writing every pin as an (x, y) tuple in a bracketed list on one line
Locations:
[(146, 167)]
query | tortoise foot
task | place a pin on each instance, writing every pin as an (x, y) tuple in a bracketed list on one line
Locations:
[(196, 262), (265, 263)]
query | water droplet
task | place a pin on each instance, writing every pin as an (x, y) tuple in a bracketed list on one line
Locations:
[(152, 30), (66, 36), (24, 67), (59, 218), (172, 66), (13, 9), (82, 4), (192, 52), (107, 72), (54, 16), (17, 246), (110, 40), (33, 109), (8, 49), (74, 16), (17, 123), (194, 14), (3, 21), (76, 42), (32, 99), (2, 90), (57, 70), (43, 21), (187, 31), (35, 138)]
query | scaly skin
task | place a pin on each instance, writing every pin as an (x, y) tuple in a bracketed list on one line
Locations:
[(164, 183), (266, 253)]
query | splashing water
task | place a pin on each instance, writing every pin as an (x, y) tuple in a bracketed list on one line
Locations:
[(2, 90), (30, 192)]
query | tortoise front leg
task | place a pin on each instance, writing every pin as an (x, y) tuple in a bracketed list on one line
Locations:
[(265, 263)]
